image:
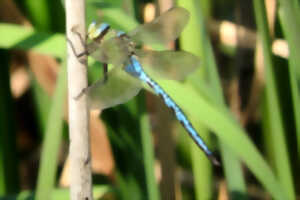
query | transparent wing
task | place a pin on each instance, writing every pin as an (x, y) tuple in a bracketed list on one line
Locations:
[(176, 65), (113, 51), (163, 29), (119, 88)]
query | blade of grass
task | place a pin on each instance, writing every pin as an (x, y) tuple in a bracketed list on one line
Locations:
[(291, 30), (148, 153), (289, 15), (37, 12), (195, 33), (52, 139), (20, 37), (236, 191), (203, 180), (295, 4), (217, 119), (41, 98), (202, 169), (281, 157)]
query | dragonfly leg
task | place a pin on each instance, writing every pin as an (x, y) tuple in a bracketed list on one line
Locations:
[(73, 29), (103, 31), (78, 55), (103, 81), (82, 92)]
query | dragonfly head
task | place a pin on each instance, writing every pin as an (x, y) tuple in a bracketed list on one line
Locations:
[(94, 30)]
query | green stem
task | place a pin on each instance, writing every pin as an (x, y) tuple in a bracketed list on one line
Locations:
[(276, 131)]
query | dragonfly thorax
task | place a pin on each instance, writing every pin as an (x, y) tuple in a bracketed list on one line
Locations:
[(115, 50)]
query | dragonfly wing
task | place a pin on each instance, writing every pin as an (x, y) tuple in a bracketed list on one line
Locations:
[(176, 65), (163, 29), (114, 51), (119, 88)]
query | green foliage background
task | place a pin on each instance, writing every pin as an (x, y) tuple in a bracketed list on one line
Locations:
[(266, 165)]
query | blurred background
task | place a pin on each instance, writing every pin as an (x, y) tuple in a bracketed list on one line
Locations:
[(244, 101)]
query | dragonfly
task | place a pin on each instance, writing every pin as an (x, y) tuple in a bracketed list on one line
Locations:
[(134, 66)]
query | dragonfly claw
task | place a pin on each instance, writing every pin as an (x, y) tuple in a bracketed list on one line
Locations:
[(83, 91)]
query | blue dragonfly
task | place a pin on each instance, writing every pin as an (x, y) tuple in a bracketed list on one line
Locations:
[(134, 66)]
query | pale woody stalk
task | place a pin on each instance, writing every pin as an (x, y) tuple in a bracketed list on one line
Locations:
[(80, 165)]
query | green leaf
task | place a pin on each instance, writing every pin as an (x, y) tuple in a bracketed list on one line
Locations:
[(275, 129), (52, 139), (24, 38)]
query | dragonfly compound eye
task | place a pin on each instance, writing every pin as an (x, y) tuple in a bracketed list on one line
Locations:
[(94, 31)]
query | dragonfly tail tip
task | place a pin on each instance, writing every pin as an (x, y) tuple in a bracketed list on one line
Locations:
[(214, 160)]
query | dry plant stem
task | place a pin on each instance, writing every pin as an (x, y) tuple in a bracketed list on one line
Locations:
[(80, 165)]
